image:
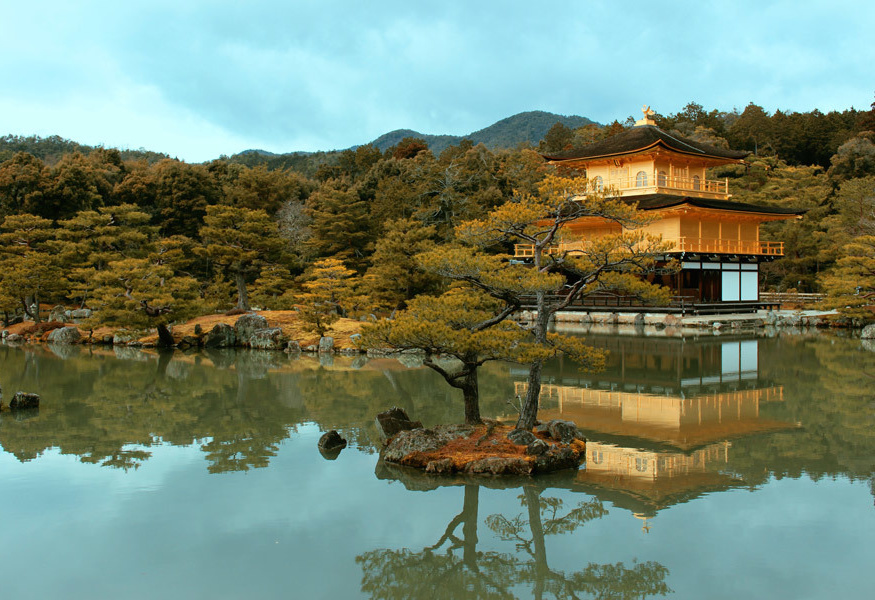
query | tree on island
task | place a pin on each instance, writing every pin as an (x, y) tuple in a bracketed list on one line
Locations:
[(473, 330), (469, 323), (613, 262)]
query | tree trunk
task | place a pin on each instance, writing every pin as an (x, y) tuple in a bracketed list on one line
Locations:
[(465, 380), (529, 413), (165, 338), (242, 296), (471, 390), (27, 310)]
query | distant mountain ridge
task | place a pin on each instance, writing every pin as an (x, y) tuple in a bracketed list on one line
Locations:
[(51, 148), (525, 127)]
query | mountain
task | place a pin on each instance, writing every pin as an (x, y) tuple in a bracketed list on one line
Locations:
[(524, 127), (50, 149)]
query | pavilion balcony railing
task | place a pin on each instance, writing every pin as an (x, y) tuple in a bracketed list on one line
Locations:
[(724, 246), (681, 244), (661, 183)]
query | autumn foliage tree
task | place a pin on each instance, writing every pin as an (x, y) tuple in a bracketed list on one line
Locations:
[(326, 285)]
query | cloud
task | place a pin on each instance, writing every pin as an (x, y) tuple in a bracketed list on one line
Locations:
[(320, 75)]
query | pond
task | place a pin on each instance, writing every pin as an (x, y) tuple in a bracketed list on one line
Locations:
[(718, 467)]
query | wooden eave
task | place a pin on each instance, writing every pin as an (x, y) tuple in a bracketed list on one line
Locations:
[(688, 210)]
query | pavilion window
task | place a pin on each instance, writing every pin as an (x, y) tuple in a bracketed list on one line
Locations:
[(641, 179), (598, 183), (697, 184), (661, 178)]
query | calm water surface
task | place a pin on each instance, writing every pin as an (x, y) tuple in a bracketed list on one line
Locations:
[(717, 467)]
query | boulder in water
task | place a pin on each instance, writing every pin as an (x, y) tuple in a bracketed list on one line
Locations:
[(221, 335), (64, 335), (267, 339), (247, 325), (331, 440), (394, 421), (24, 401), (326, 344)]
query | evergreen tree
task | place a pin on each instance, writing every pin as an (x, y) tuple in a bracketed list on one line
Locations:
[(394, 276), (240, 241), (340, 224), (28, 270), (22, 183), (272, 282), (89, 241), (142, 293)]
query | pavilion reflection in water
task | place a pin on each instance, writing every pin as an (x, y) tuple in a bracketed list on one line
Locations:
[(660, 418)]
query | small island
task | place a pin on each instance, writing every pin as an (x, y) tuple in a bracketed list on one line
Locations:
[(490, 448)]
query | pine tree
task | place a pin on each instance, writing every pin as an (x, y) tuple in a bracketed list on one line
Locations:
[(28, 270), (554, 280), (340, 224), (240, 241), (268, 289), (142, 293), (90, 240), (395, 276)]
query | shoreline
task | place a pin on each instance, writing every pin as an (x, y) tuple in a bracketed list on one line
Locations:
[(779, 319), (288, 337)]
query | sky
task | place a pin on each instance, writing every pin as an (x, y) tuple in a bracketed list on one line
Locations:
[(197, 79)]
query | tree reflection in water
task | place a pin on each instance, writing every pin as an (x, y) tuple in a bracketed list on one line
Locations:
[(453, 567)]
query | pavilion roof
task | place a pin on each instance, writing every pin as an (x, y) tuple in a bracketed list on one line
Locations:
[(641, 138), (659, 201)]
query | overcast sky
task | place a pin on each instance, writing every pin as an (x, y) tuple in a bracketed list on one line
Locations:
[(201, 78)]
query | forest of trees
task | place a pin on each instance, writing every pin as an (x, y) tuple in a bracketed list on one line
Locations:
[(135, 231)]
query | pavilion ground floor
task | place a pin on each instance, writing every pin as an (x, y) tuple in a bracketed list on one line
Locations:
[(711, 284)]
